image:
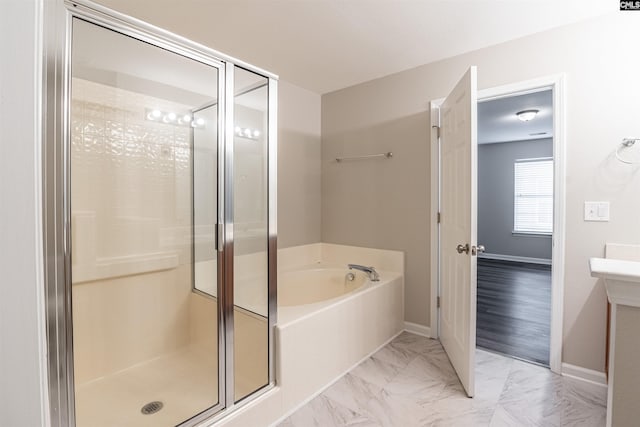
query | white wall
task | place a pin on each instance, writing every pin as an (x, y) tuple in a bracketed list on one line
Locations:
[(378, 203), (299, 181), (21, 324), (603, 97)]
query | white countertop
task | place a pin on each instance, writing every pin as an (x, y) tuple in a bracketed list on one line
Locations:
[(605, 268), (621, 279)]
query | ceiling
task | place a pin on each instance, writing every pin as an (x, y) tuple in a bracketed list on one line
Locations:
[(325, 45), (497, 120), (111, 59)]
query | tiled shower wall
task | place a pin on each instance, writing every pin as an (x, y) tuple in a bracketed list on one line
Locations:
[(131, 203), (134, 172)]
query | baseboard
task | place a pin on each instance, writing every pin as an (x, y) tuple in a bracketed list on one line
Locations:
[(584, 374), (414, 328), (515, 258)]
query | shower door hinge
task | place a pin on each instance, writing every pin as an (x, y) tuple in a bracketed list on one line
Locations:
[(439, 217), (437, 128), (438, 302)]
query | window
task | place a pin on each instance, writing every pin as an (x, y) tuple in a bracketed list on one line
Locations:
[(533, 197)]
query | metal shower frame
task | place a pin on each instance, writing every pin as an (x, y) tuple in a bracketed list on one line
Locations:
[(57, 20)]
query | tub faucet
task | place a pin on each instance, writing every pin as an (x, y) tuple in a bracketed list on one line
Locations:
[(373, 274)]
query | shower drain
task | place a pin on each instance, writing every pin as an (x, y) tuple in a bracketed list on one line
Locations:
[(152, 407)]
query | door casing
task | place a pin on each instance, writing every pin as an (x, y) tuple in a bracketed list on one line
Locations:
[(557, 84)]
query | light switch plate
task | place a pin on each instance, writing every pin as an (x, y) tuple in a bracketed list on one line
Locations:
[(596, 211)]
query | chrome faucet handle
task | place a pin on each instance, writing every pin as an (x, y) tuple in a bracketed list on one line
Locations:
[(371, 272), (374, 276)]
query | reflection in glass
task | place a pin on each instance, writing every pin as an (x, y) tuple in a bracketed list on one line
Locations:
[(205, 200), (138, 135), (251, 337)]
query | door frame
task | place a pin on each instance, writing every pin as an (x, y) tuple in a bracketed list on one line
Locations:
[(557, 84)]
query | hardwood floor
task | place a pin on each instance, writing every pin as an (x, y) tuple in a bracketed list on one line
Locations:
[(514, 309)]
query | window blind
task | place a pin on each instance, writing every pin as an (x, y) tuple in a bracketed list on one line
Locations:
[(533, 201)]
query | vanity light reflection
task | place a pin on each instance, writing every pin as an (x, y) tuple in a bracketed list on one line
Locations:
[(247, 133), (172, 118)]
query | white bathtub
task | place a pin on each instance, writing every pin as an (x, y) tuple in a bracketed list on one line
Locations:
[(326, 324), (325, 328), (312, 285)]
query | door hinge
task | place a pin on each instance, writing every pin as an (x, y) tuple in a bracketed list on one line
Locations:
[(439, 217), (437, 128), (438, 302)]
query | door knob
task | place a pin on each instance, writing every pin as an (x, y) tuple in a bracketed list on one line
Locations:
[(475, 250), (463, 248)]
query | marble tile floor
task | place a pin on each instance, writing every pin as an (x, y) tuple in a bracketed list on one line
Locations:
[(410, 382)]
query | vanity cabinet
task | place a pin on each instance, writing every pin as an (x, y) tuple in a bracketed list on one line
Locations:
[(622, 282)]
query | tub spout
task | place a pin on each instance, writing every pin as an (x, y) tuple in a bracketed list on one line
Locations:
[(371, 272)]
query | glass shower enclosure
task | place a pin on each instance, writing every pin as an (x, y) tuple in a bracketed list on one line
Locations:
[(160, 225)]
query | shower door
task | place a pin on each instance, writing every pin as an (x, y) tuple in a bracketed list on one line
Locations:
[(160, 227), (145, 209)]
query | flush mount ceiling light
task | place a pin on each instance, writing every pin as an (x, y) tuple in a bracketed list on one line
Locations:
[(526, 115)]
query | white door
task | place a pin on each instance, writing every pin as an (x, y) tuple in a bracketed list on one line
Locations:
[(458, 232)]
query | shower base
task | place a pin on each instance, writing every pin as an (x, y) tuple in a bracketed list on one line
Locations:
[(185, 382)]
